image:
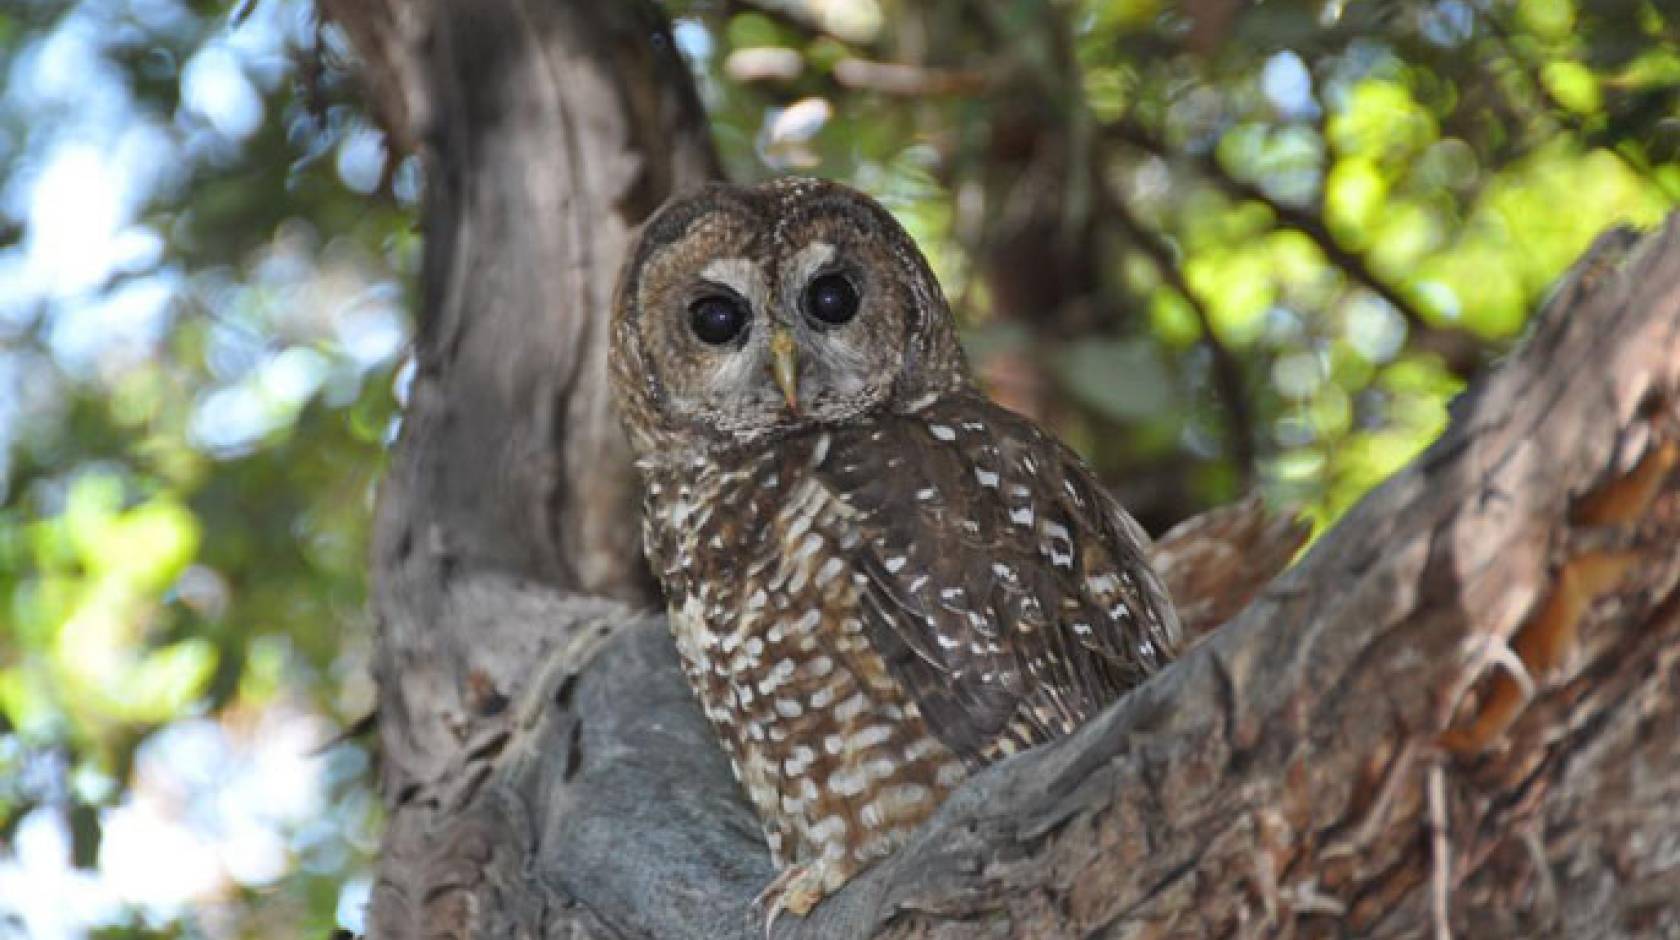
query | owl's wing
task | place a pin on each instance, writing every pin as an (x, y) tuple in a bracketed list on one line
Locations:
[(1007, 591)]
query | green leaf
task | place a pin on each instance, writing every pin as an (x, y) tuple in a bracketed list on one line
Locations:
[(1172, 318), (1381, 121), (167, 680), (1573, 85), (1550, 19), (1354, 197)]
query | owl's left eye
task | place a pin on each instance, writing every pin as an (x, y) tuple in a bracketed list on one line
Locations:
[(831, 299)]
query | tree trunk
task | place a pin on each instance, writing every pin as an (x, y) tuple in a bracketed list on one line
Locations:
[(1458, 712)]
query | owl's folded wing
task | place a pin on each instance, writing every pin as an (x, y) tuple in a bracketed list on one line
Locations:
[(1005, 590)]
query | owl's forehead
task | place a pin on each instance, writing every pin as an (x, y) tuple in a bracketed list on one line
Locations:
[(798, 232), (768, 240), (726, 230), (799, 212), (777, 229)]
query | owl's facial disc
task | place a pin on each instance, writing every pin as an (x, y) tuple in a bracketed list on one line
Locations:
[(758, 342), (748, 313)]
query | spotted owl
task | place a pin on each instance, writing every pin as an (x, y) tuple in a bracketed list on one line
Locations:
[(878, 580)]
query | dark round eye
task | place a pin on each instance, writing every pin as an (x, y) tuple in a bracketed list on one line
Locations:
[(717, 319), (831, 299)]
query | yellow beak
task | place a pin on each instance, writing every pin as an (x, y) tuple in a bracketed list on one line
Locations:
[(784, 365)]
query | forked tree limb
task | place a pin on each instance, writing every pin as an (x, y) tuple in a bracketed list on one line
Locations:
[(1458, 712)]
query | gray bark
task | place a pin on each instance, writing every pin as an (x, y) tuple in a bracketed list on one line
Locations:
[(1327, 763)]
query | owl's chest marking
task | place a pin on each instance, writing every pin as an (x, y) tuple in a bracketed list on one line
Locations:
[(756, 560)]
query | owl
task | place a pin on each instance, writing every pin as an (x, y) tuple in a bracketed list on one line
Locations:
[(878, 581)]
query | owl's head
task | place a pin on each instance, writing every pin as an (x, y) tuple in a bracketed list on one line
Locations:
[(747, 312)]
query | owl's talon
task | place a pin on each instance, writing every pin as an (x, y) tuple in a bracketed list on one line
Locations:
[(796, 890)]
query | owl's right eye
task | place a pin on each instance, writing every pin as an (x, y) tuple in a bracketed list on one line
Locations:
[(717, 319)]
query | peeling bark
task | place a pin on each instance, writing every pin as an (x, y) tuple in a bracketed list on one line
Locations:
[(1457, 713)]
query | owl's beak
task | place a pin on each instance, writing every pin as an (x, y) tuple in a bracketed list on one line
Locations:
[(784, 366)]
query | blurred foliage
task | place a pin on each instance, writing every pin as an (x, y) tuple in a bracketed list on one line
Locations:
[(202, 305), (1221, 244), (1216, 244)]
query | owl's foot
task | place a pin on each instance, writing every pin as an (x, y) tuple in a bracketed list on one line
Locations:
[(796, 890)]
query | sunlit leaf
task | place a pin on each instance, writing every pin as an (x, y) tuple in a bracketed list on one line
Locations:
[(166, 680), (1381, 122), (1110, 16), (1552, 19), (1573, 85), (1172, 317), (1354, 198), (147, 546), (1653, 68), (1237, 288)]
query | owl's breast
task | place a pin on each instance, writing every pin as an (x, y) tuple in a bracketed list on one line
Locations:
[(764, 603)]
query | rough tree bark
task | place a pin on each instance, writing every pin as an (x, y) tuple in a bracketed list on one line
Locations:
[(1458, 712)]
